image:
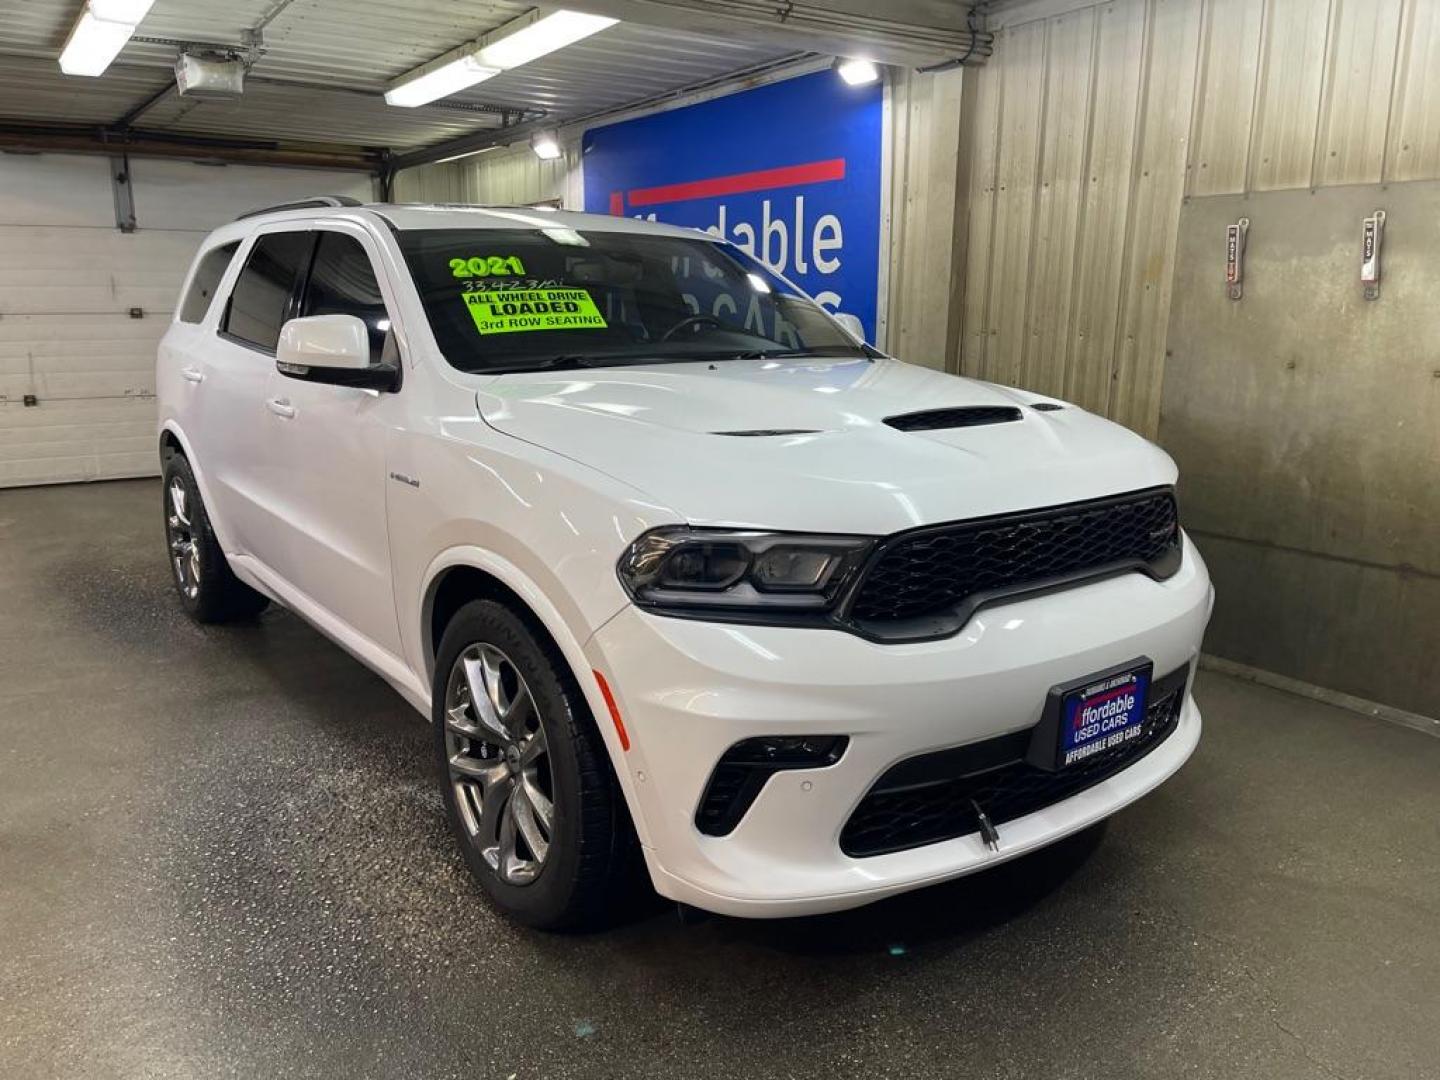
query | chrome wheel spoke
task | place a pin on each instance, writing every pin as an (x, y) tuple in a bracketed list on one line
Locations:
[(457, 721), (533, 748), (494, 808), (492, 664), (178, 500), (481, 699), (487, 773), (502, 855), (518, 711), (499, 763), (487, 717), (527, 823), (180, 534), (540, 805)]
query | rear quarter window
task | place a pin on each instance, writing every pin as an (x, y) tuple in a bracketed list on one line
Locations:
[(208, 274)]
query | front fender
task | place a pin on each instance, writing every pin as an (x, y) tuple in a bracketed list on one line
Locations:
[(571, 647), (514, 579)]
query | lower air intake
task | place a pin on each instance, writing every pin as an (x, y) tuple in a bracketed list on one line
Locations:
[(743, 770), (933, 797)]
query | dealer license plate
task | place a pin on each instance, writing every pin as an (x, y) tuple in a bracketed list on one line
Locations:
[(1105, 712)]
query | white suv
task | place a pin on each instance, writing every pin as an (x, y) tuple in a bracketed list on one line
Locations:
[(679, 568)]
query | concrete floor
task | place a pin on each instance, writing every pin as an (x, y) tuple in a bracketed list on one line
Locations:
[(221, 854)]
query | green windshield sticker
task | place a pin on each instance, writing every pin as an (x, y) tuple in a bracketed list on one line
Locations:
[(508, 311), (487, 266)]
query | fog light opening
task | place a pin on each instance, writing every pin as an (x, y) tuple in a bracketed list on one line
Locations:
[(744, 769)]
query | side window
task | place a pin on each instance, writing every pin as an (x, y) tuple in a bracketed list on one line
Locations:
[(213, 265), (261, 296), (342, 282)]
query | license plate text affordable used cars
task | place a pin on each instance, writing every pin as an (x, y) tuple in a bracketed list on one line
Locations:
[(1103, 715)]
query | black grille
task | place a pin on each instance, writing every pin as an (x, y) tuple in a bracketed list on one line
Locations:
[(933, 797), (964, 416), (946, 568)]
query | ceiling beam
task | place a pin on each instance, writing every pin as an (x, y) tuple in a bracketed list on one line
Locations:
[(62, 139), (906, 33)]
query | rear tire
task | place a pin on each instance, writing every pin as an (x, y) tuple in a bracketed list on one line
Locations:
[(208, 588), (527, 783)]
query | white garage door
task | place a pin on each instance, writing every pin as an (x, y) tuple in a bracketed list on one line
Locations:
[(83, 305)]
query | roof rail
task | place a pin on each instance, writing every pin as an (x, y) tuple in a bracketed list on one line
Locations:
[(303, 204)]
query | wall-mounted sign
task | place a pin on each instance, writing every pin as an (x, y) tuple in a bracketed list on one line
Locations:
[(789, 171), (1235, 236), (1372, 237)]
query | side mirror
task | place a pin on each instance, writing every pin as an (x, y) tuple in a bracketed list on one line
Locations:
[(332, 349), (852, 325)]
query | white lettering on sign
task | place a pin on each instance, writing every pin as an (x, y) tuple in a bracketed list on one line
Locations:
[(782, 240), (1116, 706), (828, 237)]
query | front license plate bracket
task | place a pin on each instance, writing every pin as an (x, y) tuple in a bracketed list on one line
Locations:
[(1089, 715)]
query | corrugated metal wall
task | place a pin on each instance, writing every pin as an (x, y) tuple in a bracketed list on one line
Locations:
[(512, 175), (925, 216), (1093, 122)]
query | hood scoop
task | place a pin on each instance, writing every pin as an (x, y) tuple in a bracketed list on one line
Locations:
[(958, 417)]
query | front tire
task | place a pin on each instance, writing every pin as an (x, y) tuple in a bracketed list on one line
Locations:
[(527, 783), (207, 586)]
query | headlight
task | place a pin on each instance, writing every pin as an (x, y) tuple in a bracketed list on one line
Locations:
[(679, 568)]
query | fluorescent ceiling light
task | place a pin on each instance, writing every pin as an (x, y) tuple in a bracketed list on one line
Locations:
[(517, 42), (857, 72), (545, 145), (101, 31), (441, 80), (510, 49), (464, 154)]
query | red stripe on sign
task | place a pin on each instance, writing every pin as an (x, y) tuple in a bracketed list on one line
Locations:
[(617, 203), (1109, 695), (814, 172)]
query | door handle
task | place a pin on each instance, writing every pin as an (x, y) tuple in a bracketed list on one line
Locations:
[(281, 407), (191, 374)]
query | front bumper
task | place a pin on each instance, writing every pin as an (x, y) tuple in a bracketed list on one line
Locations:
[(688, 690)]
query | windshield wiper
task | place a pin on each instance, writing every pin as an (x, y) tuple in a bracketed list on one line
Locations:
[(783, 354), (762, 354), (562, 362)]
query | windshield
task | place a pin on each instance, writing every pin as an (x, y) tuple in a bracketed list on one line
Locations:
[(521, 299)]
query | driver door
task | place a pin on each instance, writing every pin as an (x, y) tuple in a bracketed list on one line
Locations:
[(326, 448)]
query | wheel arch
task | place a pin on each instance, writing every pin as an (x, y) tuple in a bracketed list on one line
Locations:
[(170, 444), (172, 441), (454, 587), (469, 573)]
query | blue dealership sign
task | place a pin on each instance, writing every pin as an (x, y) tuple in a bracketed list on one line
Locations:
[(789, 171)]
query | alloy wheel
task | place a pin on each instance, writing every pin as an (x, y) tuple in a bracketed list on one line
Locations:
[(499, 763), (180, 533)]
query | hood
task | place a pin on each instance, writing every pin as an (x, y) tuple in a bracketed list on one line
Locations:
[(816, 453)]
